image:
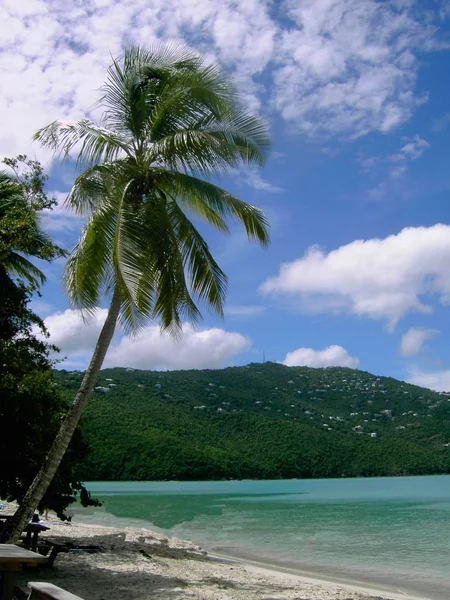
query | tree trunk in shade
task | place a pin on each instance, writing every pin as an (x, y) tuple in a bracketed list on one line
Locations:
[(12, 530)]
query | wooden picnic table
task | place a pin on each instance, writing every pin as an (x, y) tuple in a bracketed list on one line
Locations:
[(14, 559), (32, 531)]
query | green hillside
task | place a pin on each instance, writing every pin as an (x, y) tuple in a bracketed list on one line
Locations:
[(260, 421)]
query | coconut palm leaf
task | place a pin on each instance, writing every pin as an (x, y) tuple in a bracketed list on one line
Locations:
[(94, 143), (201, 197)]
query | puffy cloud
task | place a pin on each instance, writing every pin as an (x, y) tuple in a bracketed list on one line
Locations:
[(376, 278), (333, 356), (348, 66), (150, 349), (193, 349), (54, 55), (413, 340), (71, 333), (434, 380), (334, 66)]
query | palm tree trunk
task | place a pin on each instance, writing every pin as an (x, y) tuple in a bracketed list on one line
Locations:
[(13, 529)]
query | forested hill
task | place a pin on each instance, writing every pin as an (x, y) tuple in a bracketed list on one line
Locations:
[(260, 421)]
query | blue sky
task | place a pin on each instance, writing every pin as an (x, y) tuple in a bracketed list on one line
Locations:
[(357, 187)]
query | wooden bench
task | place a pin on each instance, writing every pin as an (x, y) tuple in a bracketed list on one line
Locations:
[(47, 591), (51, 549)]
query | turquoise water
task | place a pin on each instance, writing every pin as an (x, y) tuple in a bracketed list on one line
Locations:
[(392, 532)]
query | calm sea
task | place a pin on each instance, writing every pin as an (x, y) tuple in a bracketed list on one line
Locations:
[(393, 533)]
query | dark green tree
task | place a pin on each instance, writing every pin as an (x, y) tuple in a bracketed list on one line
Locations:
[(22, 196), (31, 406)]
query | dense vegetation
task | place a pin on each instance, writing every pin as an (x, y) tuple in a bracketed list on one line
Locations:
[(30, 403), (260, 421)]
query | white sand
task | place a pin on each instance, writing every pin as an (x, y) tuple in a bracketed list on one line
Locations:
[(139, 564)]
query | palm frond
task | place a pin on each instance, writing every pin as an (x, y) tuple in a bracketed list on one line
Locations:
[(88, 272), (17, 264), (93, 142), (170, 118), (190, 98), (207, 279), (93, 185), (125, 99), (201, 197), (127, 255), (163, 290)]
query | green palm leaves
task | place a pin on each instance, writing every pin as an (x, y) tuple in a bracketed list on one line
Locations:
[(170, 122)]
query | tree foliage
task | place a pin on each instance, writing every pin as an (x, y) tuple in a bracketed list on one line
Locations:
[(31, 404), (22, 196), (260, 421)]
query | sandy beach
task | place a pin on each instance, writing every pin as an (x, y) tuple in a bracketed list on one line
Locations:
[(140, 564)]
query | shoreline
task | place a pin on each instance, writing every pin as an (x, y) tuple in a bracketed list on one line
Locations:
[(394, 585), (143, 564), (313, 577)]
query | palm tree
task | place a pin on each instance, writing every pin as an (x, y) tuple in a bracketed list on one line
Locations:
[(170, 123)]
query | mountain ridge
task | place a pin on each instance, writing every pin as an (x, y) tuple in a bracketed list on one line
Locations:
[(260, 421)]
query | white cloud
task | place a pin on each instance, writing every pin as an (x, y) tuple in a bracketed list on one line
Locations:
[(193, 349), (333, 66), (348, 66), (368, 163), (413, 340), (376, 278), (412, 149), (244, 310), (151, 349), (54, 55), (332, 356), (71, 334), (434, 380)]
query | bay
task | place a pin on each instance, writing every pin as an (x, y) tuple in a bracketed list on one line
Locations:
[(393, 533)]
